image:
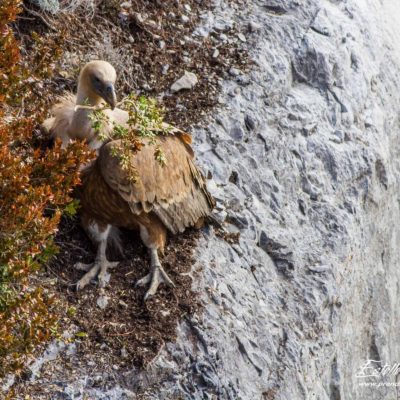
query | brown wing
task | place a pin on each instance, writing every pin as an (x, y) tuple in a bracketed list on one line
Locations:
[(175, 192)]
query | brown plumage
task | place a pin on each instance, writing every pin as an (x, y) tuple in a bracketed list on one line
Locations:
[(164, 198)]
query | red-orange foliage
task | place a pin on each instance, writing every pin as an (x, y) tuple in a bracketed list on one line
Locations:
[(35, 186)]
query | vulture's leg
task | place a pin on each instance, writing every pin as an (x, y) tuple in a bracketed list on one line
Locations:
[(154, 237), (99, 234), (156, 276)]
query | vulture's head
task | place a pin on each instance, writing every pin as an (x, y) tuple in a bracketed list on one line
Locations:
[(97, 79)]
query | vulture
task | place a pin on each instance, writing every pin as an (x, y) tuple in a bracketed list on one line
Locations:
[(164, 198)]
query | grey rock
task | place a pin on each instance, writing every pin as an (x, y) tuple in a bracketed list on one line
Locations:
[(249, 122), (241, 37), (126, 4), (185, 19), (102, 302), (254, 26), (165, 69), (338, 136), (187, 81), (236, 133), (223, 25), (234, 72)]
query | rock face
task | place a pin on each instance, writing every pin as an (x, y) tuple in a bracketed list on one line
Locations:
[(305, 164), (304, 155)]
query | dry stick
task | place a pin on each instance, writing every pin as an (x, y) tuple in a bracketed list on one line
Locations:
[(69, 244), (61, 280), (36, 14)]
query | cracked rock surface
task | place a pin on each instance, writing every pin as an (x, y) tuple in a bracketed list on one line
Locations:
[(304, 156), (304, 159)]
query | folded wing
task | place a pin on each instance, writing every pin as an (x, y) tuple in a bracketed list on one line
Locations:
[(176, 192)]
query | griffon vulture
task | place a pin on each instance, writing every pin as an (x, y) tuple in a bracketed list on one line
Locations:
[(164, 198)]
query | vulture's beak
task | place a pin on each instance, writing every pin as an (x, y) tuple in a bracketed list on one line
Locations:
[(109, 95)]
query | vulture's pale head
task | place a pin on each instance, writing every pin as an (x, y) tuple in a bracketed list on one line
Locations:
[(96, 82)]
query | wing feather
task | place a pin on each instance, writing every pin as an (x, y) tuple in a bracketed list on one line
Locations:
[(175, 192)]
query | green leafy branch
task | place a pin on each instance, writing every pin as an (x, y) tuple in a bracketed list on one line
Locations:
[(145, 122)]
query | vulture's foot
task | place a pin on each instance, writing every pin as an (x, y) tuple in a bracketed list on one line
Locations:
[(98, 268), (156, 276)]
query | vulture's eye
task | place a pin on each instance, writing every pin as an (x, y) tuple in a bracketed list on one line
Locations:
[(96, 79)]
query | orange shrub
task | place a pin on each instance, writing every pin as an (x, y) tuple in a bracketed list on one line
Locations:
[(35, 187)]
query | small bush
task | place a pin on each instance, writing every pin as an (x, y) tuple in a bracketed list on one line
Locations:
[(35, 188)]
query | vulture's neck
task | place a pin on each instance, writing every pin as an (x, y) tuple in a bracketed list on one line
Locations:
[(86, 95)]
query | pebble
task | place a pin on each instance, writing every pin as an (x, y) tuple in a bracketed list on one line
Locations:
[(234, 92), (243, 80), (216, 53), (234, 72), (165, 69), (338, 136), (249, 122), (187, 81), (221, 216), (185, 19), (102, 302), (146, 87), (223, 25), (236, 133), (319, 268), (242, 37), (123, 304), (254, 27), (124, 353)]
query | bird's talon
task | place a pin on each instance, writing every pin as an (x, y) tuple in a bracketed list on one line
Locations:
[(83, 267), (82, 283), (103, 278), (166, 279), (99, 269), (113, 264), (143, 281), (147, 295), (156, 277)]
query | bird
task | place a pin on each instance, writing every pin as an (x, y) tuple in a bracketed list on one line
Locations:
[(163, 199), (96, 87)]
